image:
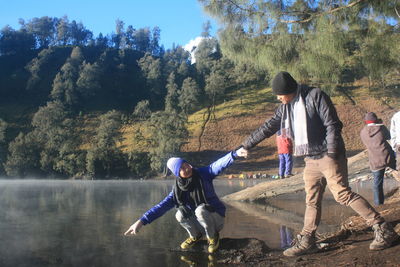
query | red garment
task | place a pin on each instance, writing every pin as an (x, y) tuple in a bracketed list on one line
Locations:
[(284, 144)]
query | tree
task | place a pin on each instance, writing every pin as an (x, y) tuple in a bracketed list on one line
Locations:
[(139, 163), (36, 65), (101, 41), (168, 135), (44, 29), (142, 110), (324, 54), (278, 35), (57, 141), (142, 40), (190, 95), (104, 158), (14, 42), (88, 82), (155, 48), (79, 34), (377, 50), (3, 151), (63, 31), (64, 84), (219, 80), (119, 38), (23, 158), (151, 70), (172, 97)]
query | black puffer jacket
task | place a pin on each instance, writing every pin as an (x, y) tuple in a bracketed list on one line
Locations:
[(323, 125)]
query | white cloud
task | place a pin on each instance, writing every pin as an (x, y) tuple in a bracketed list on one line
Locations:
[(191, 47)]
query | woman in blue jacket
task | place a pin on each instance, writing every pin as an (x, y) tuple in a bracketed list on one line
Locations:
[(199, 209)]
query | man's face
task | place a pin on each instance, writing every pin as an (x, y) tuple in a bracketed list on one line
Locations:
[(286, 99), (185, 170)]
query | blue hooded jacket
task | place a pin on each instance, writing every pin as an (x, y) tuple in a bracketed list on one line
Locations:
[(207, 175)]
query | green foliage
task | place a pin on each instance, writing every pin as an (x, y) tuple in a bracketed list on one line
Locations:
[(167, 136), (323, 56), (58, 143), (189, 98), (378, 52), (314, 40), (3, 128), (14, 42), (142, 110), (23, 158), (88, 83), (217, 82), (139, 163), (172, 97), (104, 158), (151, 69), (64, 85)]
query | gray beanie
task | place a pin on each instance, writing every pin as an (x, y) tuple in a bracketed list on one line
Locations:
[(284, 84)]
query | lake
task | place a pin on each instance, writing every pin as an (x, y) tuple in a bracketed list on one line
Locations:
[(81, 223)]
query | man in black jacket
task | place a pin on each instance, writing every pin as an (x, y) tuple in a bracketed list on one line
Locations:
[(308, 117)]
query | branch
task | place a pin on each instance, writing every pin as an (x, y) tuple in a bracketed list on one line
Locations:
[(323, 13), (312, 16), (397, 12)]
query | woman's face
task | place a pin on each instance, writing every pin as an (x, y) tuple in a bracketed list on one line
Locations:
[(185, 170)]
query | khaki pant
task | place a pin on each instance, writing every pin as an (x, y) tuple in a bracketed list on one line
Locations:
[(332, 172)]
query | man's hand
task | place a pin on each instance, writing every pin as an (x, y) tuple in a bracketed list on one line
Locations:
[(134, 228), (241, 152)]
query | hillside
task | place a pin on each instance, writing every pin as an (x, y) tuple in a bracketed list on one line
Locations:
[(246, 110)]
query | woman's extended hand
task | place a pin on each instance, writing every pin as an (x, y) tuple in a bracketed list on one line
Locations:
[(134, 228)]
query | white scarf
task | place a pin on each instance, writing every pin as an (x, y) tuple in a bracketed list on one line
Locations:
[(301, 147), (298, 129)]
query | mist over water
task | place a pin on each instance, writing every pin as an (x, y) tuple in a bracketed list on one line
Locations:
[(81, 223)]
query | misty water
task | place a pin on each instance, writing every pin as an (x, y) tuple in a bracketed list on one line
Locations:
[(81, 223)]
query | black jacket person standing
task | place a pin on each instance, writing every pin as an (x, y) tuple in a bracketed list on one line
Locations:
[(308, 117)]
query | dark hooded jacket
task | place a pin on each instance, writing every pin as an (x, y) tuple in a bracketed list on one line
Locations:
[(380, 153), (323, 125)]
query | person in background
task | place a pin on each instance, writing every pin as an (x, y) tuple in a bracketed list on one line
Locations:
[(199, 210), (374, 135), (395, 138), (309, 117), (285, 151)]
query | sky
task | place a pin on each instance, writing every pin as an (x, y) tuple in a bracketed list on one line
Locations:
[(180, 21)]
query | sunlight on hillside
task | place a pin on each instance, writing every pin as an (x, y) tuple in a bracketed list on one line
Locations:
[(241, 102)]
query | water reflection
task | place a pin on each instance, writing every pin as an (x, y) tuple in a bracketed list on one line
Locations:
[(67, 223), (81, 223)]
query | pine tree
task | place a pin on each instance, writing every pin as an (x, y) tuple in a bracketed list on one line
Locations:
[(64, 84), (189, 98)]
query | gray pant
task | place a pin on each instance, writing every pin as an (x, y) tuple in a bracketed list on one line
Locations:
[(204, 222)]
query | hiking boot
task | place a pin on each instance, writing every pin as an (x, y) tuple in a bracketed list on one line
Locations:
[(302, 244), (190, 241), (213, 243), (384, 236)]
